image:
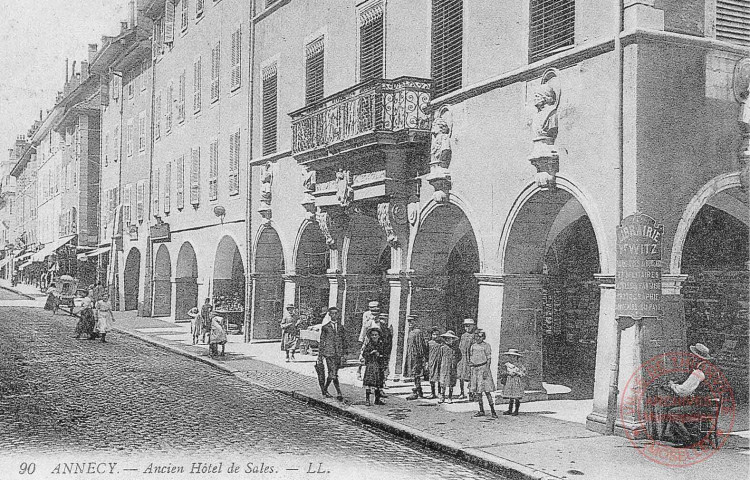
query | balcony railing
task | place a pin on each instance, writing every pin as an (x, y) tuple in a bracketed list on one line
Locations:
[(377, 106)]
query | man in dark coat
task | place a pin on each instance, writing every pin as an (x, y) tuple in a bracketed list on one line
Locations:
[(416, 356), (330, 351)]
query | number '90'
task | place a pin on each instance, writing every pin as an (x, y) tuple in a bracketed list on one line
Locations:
[(27, 468)]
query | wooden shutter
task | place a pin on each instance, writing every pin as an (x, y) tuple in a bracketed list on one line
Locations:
[(169, 21), (371, 43), (106, 152), (168, 188), (155, 190), (181, 99), (215, 70), (157, 116), (126, 197), (236, 59), (447, 45), (234, 163), (116, 87), (551, 27), (140, 196), (198, 8), (733, 21), (130, 137), (142, 132), (314, 71), (170, 103), (181, 182), (195, 172), (270, 109), (213, 170), (116, 142), (184, 15), (197, 85)]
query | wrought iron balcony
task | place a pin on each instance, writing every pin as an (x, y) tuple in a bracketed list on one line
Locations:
[(369, 113)]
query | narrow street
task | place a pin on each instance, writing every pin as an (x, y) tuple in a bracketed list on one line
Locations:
[(63, 397)]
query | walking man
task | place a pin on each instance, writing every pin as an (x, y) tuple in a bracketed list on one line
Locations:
[(331, 350)]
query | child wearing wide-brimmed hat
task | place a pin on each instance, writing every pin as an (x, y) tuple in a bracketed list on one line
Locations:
[(514, 385), (448, 362), (433, 360), (374, 357)]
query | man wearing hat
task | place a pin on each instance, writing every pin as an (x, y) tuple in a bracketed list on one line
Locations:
[(330, 352), (289, 331), (369, 319), (463, 370), (416, 356), (448, 362)]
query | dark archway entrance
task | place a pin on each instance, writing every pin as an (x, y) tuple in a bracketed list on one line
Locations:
[(186, 282), (444, 259), (162, 283), (268, 298), (229, 284), (311, 264), (131, 279)]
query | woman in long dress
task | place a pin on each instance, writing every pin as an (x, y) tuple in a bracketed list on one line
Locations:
[(480, 355), (290, 332), (217, 337), (86, 322), (104, 316)]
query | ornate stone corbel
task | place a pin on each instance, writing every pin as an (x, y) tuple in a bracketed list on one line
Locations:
[(385, 212), (544, 155), (344, 190), (440, 154), (266, 181), (308, 186), (324, 223)]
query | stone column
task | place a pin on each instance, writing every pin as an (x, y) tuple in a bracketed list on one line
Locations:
[(337, 285), (397, 319), (290, 289), (605, 352), (490, 313), (628, 424), (250, 330)]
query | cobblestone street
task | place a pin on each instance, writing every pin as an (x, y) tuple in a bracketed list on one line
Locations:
[(60, 395)]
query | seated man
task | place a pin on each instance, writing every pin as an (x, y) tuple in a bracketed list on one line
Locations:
[(689, 389)]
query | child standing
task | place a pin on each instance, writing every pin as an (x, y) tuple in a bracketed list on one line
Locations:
[(195, 324), (481, 375), (206, 310), (514, 385), (374, 357), (448, 362), (433, 360)]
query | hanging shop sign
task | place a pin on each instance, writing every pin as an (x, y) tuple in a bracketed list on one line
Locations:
[(160, 233), (638, 278)]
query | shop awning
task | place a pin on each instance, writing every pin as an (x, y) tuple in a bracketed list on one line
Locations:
[(99, 251), (51, 248), (24, 265), (24, 256)]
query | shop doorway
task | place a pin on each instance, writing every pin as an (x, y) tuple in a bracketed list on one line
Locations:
[(186, 282), (311, 263), (163, 283), (268, 299), (131, 279), (229, 284), (445, 259), (551, 297)]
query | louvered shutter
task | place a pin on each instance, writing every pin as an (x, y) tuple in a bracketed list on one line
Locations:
[(270, 109), (234, 163), (197, 85), (195, 171), (181, 182), (371, 43), (181, 99), (155, 190), (168, 188), (130, 137), (157, 117), (184, 15), (314, 71), (142, 132), (170, 103), (213, 170), (169, 21), (215, 71), (116, 136), (140, 195), (733, 21), (126, 197), (237, 59), (198, 8), (551, 27), (106, 152), (447, 45)]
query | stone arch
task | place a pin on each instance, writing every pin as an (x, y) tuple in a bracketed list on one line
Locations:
[(229, 283), (162, 282), (131, 279), (268, 294), (186, 282), (311, 263)]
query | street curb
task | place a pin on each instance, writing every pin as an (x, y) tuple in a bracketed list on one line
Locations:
[(29, 297), (505, 467)]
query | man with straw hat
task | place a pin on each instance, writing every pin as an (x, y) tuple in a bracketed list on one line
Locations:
[(463, 369), (514, 385)]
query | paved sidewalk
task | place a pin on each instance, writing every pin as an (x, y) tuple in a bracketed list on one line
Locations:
[(548, 439)]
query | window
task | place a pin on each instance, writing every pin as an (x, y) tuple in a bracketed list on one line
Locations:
[(195, 180), (116, 80), (127, 192), (314, 71), (215, 65), (198, 8), (184, 16), (234, 163), (142, 132), (130, 138), (733, 21), (180, 190), (155, 193), (168, 188), (157, 117), (236, 77), (144, 69), (270, 108), (551, 27), (213, 170), (131, 83), (106, 150), (137, 74), (181, 99), (447, 45), (116, 136), (197, 86), (169, 22), (371, 43), (140, 195), (170, 102)]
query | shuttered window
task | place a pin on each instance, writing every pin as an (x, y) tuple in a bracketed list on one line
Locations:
[(170, 103), (142, 132), (371, 43), (195, 180), (169, 21), (140, 196), (236, 74), (270, 109), (551, 27), (198, 8), (181, 98), (213, 170), (126, 205), (234, 163), (197, 86), (314, 55), (168, 188), (184, 15), (157, 117), (215, 70), (155, 193), (106, 151), (116, 137), (733, 21), (130, 137), (180, 190), (447, 45)]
